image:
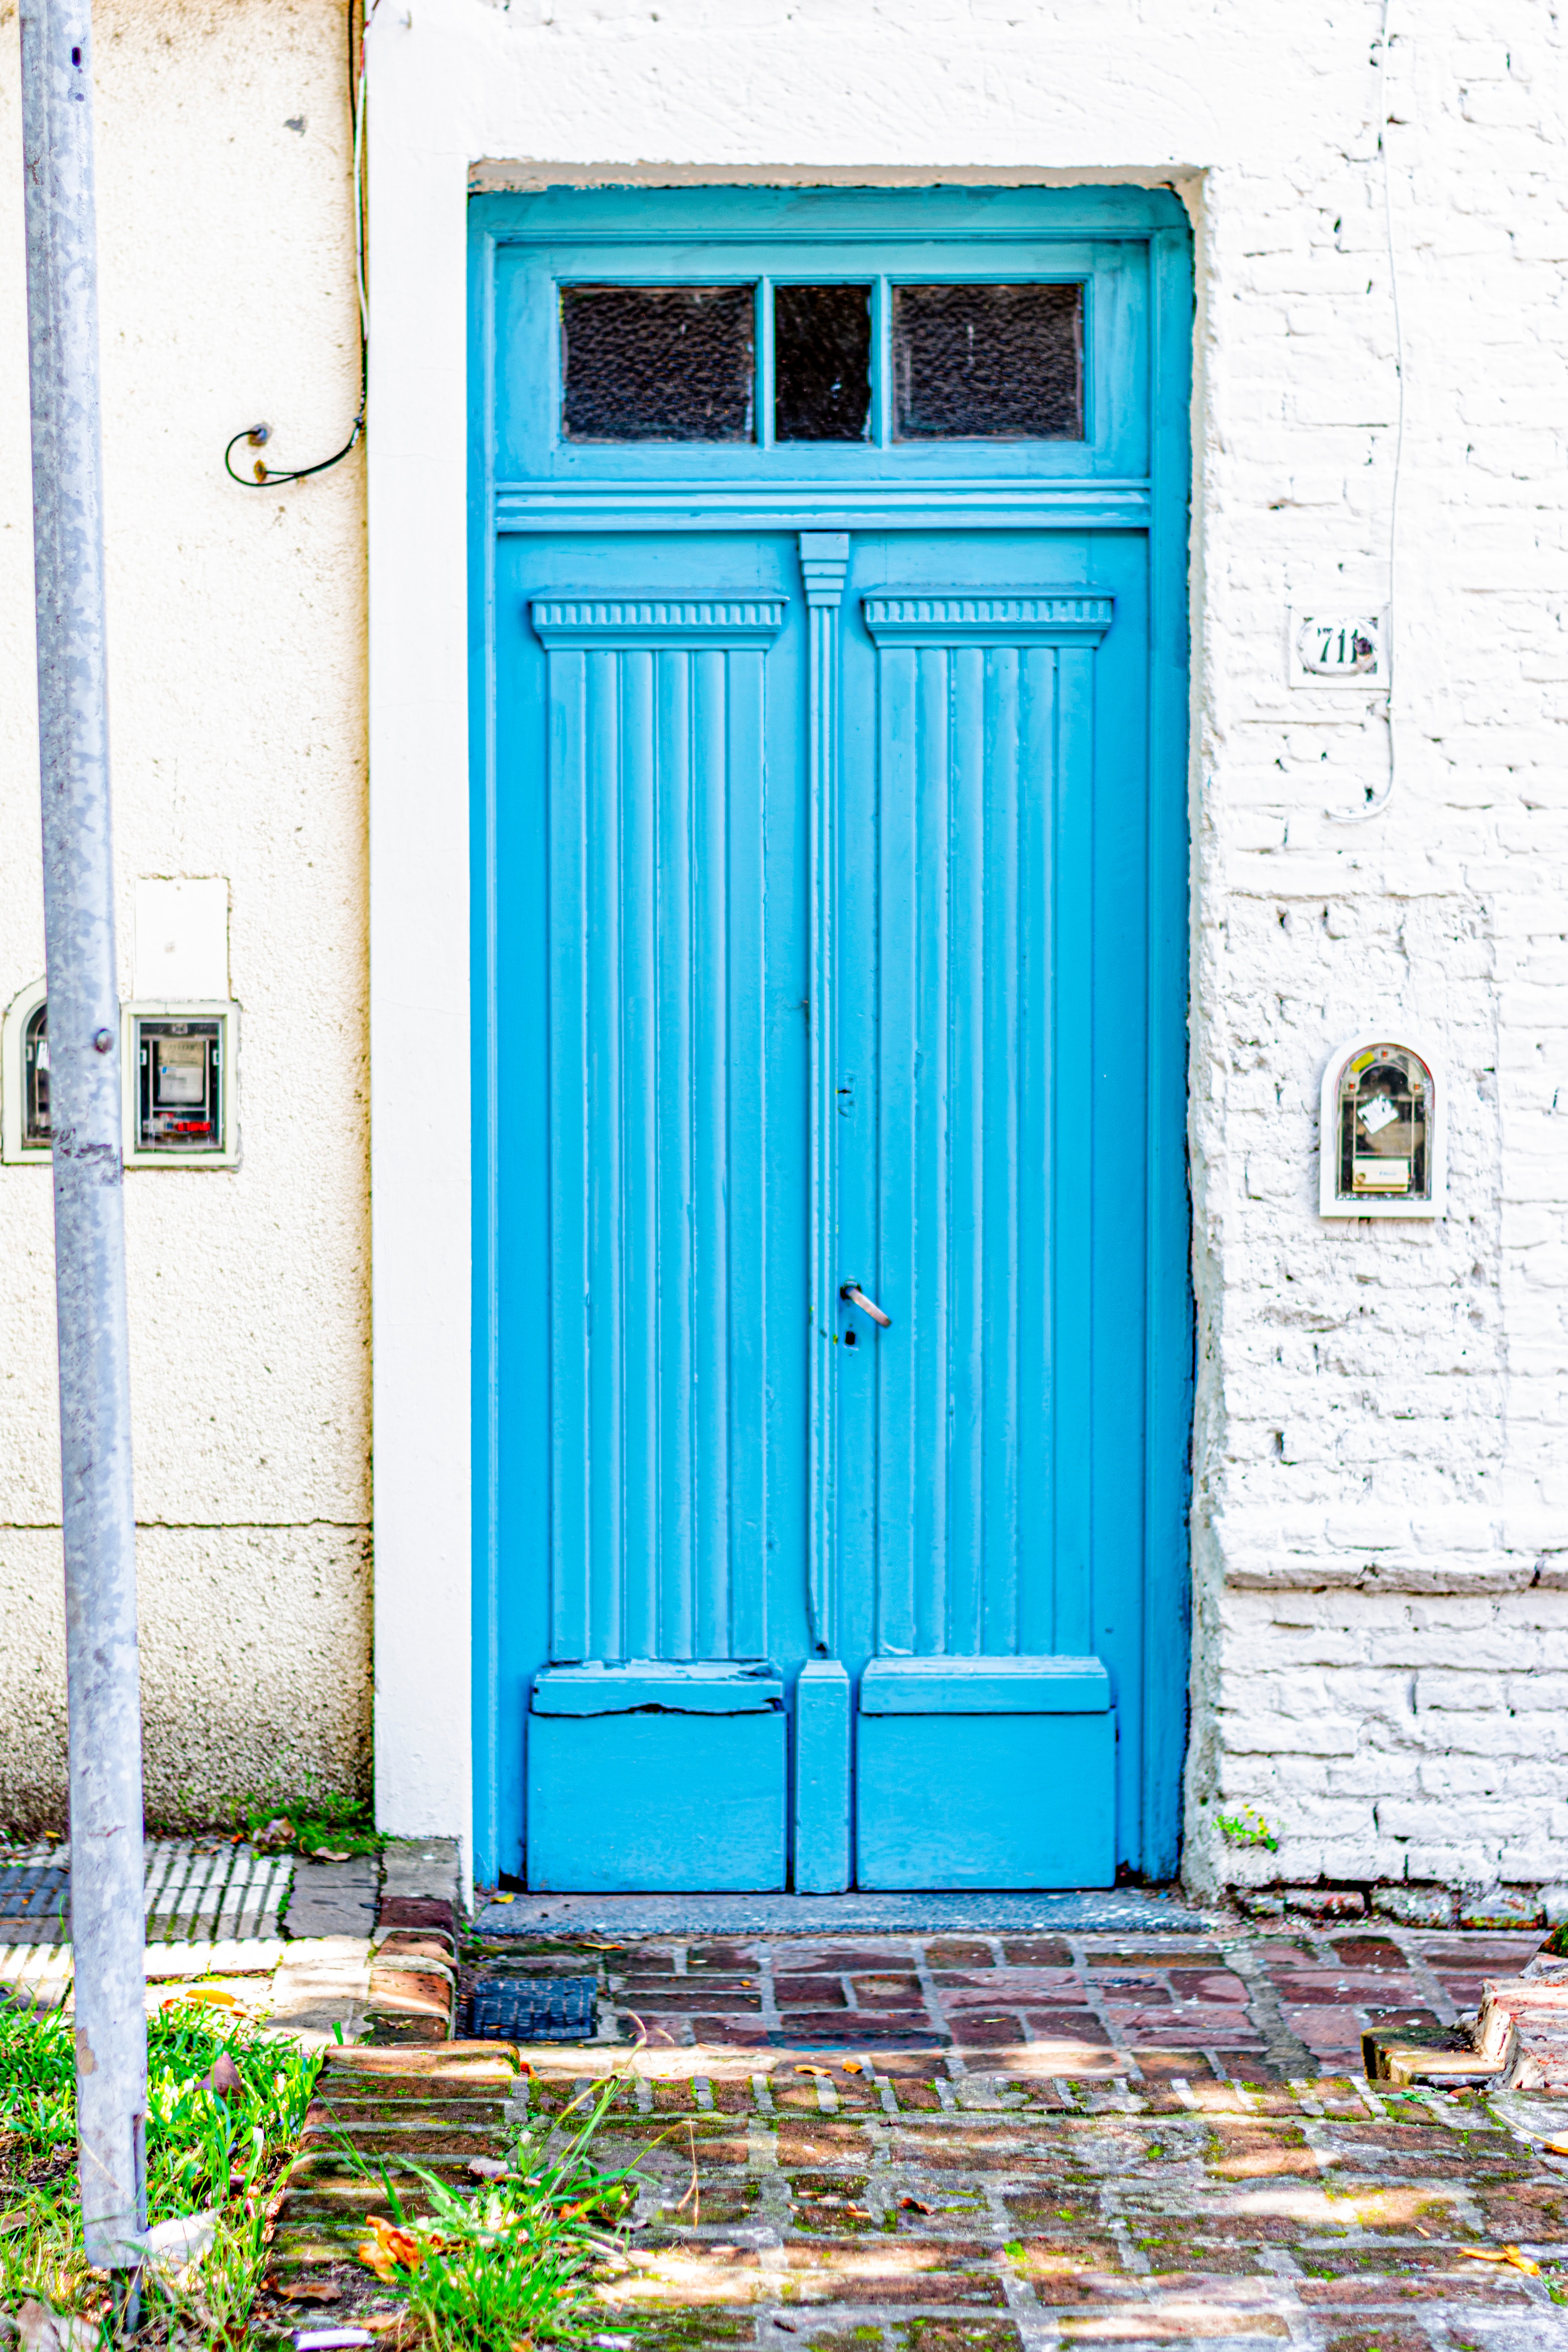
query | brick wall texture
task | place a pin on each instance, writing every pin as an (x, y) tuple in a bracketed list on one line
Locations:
[(1380, 1480)]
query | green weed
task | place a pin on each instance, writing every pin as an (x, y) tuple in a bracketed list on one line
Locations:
[(205, 2152), (1247, 1828), (521, 2260), (307, 1819)]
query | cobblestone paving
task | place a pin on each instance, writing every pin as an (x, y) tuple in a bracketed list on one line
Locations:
[(906, 2144)]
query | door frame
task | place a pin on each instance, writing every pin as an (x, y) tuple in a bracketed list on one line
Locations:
[(1157, 218)]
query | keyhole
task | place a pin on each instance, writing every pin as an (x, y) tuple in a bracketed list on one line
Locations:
[(852, 1339)]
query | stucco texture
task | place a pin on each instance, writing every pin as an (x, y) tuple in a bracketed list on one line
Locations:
[(238, 711)]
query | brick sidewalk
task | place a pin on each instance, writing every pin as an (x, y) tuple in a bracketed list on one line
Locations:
[(929, 2144), (1232, 2004)]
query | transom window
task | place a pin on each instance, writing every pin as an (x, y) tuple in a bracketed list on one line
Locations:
[(771, 362)]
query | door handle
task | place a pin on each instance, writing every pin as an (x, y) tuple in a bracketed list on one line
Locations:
[(852, 1292)]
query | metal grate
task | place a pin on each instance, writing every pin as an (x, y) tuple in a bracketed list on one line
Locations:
[(535, 2009)]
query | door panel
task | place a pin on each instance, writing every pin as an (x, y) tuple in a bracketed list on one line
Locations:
[(654, 776), (998, 787), (657, 1134)]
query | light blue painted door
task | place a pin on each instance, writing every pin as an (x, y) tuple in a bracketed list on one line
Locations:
[(829, 854)]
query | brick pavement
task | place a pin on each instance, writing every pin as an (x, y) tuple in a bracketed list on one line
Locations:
[(1233, 2003), (977, 2144)]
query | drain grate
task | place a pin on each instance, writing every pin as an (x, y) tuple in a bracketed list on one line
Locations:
[(535, 2009)]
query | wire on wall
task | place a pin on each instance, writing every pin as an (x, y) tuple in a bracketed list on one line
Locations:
[(263, 477), (1376, 803)]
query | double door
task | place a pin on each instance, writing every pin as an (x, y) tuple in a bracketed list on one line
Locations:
[(827, 1153)]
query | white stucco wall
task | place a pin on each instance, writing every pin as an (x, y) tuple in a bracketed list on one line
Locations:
[(237, 707), (1381, 1518)]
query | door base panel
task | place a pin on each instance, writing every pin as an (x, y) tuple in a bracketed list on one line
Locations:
[(656, 1802), (986, 1801)]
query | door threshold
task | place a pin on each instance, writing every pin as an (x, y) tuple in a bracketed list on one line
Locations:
[(1122, 1910)]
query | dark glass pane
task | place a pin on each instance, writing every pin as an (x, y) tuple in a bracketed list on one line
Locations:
[(656, 362), (988, 362), (822, 362)]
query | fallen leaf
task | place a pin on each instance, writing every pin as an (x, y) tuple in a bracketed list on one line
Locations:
[(503, 1898), (1421, 2232), (814, 2070), (914, 2205), (1520, 2261), (204, 1996), (329, 1853), (43, 2330), (854, 2066), (389, 2249), (223, 2077), (1558, 2146), (309, 2291), (857, 2213)]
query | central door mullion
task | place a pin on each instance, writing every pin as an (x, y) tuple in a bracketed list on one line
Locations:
[(823, 562)]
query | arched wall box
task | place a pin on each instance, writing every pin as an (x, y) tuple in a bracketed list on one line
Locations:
[(1382, 1128), (22, 1051)]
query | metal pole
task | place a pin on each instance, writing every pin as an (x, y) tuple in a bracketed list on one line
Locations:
[(102, 1679)]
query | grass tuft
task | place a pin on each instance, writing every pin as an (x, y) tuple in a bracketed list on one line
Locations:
[(520, 2263), (208, 2150)]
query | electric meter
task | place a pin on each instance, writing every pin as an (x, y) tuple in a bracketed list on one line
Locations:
[(179, 1085)]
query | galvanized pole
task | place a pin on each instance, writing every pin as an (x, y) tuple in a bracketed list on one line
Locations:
[(103, 1684)]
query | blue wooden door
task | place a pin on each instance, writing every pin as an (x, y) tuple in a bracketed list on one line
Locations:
[(829, 844)]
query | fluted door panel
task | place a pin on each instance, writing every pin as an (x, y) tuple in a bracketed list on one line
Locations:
[(985, 748), (658, 1144)]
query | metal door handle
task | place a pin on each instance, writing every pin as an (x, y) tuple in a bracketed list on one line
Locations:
[(857, 1297)]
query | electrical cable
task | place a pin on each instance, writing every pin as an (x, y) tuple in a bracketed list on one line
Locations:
[(1377, 801), (264, 477)]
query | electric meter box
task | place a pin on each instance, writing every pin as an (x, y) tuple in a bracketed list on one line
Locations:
[(1381, 1130), (178, 1063), (25, 1130)]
